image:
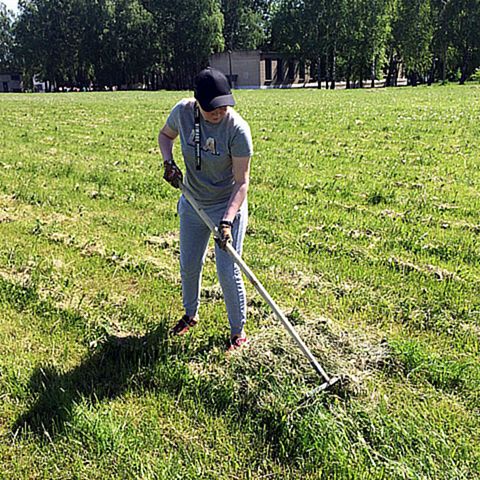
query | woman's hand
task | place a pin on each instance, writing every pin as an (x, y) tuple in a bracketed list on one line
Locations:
[(225, 233), (173, 175)]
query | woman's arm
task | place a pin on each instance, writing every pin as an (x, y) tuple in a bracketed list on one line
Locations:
[(173, 175), (166, 138), (241, 175)]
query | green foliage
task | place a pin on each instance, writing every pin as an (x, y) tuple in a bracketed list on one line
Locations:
[(191, 30), (414, 30), (476, 76), (159, 43), (244, 23), (125, 50), (365, 37), (357, 39), (110, 43), (465, 35), (7, 61)]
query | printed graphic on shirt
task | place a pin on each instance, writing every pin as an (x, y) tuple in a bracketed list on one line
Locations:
[(210, 144)]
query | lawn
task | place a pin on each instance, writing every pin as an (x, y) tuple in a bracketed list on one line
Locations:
[(364, 228)]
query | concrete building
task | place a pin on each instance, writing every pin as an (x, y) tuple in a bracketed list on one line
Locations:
[(257, 69), (11, 82)]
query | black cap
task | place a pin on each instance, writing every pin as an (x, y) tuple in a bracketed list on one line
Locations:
[(212, 90)]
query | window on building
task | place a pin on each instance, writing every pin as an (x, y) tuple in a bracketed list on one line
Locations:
[(291, 70), (268, 69), (280, 70), (301, 71)]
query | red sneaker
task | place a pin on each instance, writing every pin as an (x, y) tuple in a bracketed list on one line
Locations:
[(237, 341), (184, 325)]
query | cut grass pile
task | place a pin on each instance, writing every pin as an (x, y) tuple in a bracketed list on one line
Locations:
[(364, 227)]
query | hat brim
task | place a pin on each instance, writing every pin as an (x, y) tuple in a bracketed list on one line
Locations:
[(221, 101)]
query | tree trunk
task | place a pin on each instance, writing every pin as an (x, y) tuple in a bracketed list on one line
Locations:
[(431, 74), (348, 74), (395, 72), (389, 79), (413, 79), (327, 72), (334, 72), (464, 69), (444, 66), (372, 75), (319, 73)]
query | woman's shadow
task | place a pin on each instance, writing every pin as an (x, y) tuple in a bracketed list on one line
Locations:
[(117, 364), (153, 361)]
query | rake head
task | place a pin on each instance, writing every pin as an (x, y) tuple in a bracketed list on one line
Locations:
[(324, 386)]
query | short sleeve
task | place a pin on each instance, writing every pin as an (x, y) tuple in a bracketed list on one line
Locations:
[(241, 144), (173, 120)]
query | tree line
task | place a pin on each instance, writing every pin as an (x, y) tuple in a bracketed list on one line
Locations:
[(162, 43), (357, 40)]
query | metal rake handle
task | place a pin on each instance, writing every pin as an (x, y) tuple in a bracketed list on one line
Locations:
[(261, 290)]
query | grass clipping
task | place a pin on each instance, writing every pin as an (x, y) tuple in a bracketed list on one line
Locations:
[(272, 368)]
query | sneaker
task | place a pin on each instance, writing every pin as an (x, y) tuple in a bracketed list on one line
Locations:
[(237, 341), (184, 325)]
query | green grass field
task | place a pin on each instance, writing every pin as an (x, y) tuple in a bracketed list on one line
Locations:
[(365, 229)]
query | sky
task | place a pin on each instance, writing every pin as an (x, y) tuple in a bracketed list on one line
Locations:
[(11, 4)]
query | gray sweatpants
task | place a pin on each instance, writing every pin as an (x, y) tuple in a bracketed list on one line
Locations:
[(194, 237)]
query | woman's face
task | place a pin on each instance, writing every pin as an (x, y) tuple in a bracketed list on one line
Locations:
[(215, 116)]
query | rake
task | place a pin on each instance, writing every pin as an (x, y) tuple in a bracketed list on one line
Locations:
[(327, 380)]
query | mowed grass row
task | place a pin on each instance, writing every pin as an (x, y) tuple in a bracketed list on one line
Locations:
[(365, 229)]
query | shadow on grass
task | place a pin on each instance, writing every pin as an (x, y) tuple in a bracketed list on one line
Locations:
[(149, 362), (140, 363), (118, 364), (108, 372), (153, 362)]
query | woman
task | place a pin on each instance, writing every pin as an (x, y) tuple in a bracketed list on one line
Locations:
[(216, 146)]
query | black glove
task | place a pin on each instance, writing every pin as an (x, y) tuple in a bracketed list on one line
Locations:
[(224, 233), (173, 175)]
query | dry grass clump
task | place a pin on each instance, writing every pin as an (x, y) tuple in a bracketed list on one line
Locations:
[(5, 217), (272, 369), (169, 240), (124, 260), (437, 272)]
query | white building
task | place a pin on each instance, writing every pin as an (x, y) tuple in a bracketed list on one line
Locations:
[(257, 69)]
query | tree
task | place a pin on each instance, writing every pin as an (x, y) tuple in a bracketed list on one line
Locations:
[(366, 30), (441, 38), (245, 23), (191, 31), (464, 18), (289, 29), (125, 48), (311, 30), (412, 35), (47, 40), (164, 43), (7, 60)]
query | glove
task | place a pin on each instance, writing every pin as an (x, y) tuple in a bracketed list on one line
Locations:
[(224, 233), (173, 175)]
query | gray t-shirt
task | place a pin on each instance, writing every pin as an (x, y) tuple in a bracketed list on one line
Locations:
[(219, 142)]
